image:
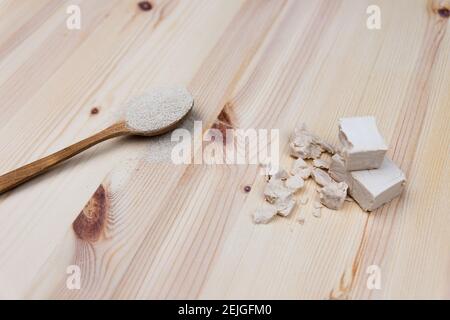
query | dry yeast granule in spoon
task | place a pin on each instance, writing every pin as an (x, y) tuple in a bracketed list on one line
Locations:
[(157, 109)]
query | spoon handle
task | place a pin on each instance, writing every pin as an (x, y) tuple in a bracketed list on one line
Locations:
[(15, 178)]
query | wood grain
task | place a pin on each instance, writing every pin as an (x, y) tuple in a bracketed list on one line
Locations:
[(169, 231)]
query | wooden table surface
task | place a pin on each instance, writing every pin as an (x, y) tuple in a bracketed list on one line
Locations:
[(171, 231)]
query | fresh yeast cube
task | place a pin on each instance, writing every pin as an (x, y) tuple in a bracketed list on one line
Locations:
[(370, 188), (363, 146)]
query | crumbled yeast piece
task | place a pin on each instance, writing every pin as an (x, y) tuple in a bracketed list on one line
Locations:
[(270, 170), (370, 188), (362, 145), (337, 169), (275, 189), (321, 164), (327, 147), (305, 151), (285, 206), (321, 177), (294, 183), (305, 144), (333, 195), (281, 175), (299, 164), (300, 168), (265, 213), (303, 173)]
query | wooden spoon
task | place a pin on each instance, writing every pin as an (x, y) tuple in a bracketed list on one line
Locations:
[(154, 113)]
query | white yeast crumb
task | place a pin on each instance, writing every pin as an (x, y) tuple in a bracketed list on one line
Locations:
[(300, 168), (327, 147), (333, 195), (264, 214), (305, 144), (285, 206), (299, 164), (281, 175), (303, 173), (321, 177), (321, 164), (294, 183), (275, 189)]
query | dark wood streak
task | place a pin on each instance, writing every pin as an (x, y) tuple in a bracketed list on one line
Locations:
[(90, 223), (224, 121), (344, 288)]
